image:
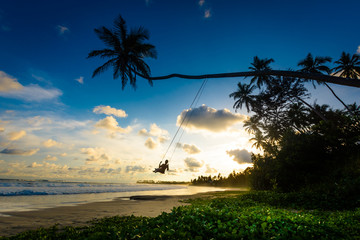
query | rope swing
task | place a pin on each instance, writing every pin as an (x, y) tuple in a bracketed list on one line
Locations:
[(185, 118)]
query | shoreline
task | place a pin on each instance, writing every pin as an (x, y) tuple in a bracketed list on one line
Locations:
[(80, 215)]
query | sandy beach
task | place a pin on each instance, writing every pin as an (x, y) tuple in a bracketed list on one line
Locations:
[(150, 206)]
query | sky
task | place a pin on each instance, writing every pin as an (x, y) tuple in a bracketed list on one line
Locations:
[(57, 122)]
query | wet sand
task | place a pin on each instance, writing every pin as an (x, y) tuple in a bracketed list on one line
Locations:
[(149, 206)]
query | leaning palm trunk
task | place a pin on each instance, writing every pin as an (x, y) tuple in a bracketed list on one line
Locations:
[(339, 99), (313, 76)]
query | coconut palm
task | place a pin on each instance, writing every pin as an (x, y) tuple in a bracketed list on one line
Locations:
[(261, 65), (259, 140), (243, 96), (126, 52), (252, 124), (348, 66), (316, 66)]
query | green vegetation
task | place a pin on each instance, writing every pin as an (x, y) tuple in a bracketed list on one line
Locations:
[(229, 215)]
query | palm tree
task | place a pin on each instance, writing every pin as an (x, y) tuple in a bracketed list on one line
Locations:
[(260, 140), (252, 124), (348, 67), (126, 51), (259, 65), (243, 96), (316, 66)]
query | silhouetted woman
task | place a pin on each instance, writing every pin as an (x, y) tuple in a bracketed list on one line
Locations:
[(162, 167)]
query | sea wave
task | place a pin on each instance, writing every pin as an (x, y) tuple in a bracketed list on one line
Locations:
[(27, 188)]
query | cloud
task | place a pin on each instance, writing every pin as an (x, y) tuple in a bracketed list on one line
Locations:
[(62, 29), (133, 169), (50, 158), (109, 123), (51, 143), (32, 93), (150, 143), (207, 13), (2, 129), (358, 50), (190, 149), (162, 135), (109, 111), (193, 164), (210, 169), (11, 88), (95, 154), (240, 156), (63, 154), (11, 151), (155, 131), (201, 2), (13, 136), (8, 83), (206, 118), (80, 80)]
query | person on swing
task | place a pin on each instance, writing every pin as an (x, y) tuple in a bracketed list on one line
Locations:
[(162, 167)]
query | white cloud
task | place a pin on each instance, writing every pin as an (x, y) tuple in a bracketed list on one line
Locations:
[(358, 50), (95, 154), (201, 2), (190, 149), (240, 156), (207, 13), (11, 151), (162, 135), (13, 136), (134, 169), (155, 131), (32, 93), (193, 164), (109, 123), (51, 143), (50, 158), (110, 111), (207, 118), (62, 29), (210, 169), (80, 80), (8, 83), (150, 143)]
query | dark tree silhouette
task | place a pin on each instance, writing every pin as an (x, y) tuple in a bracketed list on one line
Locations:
[(126, 51), (348, 66), (311, 65), (243, 96), (261, 65)]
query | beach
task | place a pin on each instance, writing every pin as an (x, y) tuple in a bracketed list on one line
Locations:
[(79, 215)]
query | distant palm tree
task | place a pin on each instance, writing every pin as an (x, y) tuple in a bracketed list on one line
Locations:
[(348, 66), (243, 96), (260, 141), (252, 124), (261, 65), (126, 51), (311, 65)]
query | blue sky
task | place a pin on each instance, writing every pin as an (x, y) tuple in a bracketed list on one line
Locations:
[(57, 122)]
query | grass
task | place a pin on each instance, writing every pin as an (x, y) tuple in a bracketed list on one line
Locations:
[(229, 215)]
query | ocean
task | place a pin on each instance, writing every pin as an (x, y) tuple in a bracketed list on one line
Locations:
[(25, 195)]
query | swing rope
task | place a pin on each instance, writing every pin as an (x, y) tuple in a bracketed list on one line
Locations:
[(188, 119), (196, 99)]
